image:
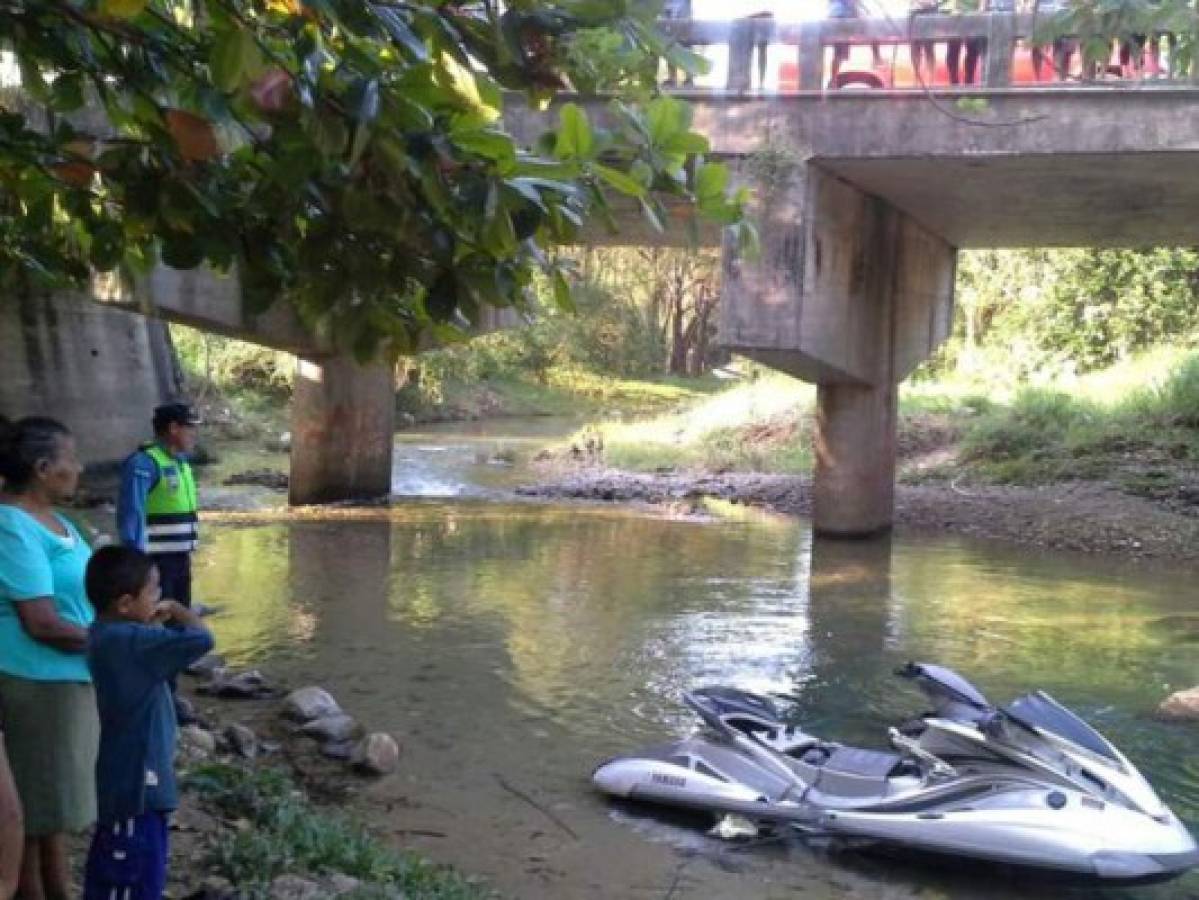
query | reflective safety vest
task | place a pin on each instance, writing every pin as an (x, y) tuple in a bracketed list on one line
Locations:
[(172, 523)]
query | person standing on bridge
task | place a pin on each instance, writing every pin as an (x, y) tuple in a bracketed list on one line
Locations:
[(157, 509), (847, 9), (974, 46), (924, 55)]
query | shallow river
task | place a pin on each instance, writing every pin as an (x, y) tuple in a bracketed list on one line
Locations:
[(512, 646)]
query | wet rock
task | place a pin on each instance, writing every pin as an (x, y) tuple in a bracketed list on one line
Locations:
[(236, 685), (332, 728), (185, 712), (268, 478), (192, 818), (339, 750), (308, 703), (206, 665), (1181, 705), (196, 743), (376, 754), (242, 741), (293, 887), (340, 883), (214, 887)]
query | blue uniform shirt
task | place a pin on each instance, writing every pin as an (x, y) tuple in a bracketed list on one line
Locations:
[(131, 665), (139, 474)]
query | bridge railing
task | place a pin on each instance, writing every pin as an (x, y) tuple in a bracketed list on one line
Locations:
[(1013, 50)]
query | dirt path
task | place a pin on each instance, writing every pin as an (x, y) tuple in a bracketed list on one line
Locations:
[(1090, 517)]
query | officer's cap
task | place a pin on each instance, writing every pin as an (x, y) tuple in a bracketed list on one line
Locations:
[(178, 413)]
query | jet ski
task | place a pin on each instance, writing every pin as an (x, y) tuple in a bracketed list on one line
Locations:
[(1027, 785)]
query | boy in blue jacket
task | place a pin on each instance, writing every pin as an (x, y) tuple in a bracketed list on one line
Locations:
[(136, 645)]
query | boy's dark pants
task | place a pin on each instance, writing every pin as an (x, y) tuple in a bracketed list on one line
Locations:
[(128, 859)]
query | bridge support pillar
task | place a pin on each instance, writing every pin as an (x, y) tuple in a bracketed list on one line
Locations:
[(343, 419), (853, 488), (852, 294)]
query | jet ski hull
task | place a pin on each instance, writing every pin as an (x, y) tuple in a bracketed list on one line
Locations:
[(1017, 828), (1030, 786)]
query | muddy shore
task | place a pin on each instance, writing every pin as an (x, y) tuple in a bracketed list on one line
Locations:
[(1088, 517)]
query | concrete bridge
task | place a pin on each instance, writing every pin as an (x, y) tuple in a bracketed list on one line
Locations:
[(864, 198)]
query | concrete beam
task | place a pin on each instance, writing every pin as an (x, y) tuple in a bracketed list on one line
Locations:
[(847, 289), (209, 301), (1050, 167), (1057, 166)]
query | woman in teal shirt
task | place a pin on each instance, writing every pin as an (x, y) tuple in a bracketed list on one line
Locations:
[(47, 705)]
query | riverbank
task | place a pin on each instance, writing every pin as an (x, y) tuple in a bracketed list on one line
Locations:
[(1103, 463), (1077, 516), (263, 814)]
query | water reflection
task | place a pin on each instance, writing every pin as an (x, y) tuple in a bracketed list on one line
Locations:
[(563, 634)]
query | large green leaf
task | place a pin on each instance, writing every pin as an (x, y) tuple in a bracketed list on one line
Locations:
[(711, 181), (575, 140), (473, 91), (667, 119), (233, 59), (619, 180), (488, 143)]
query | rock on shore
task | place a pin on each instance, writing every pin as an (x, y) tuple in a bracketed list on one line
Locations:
[(1181, 705)]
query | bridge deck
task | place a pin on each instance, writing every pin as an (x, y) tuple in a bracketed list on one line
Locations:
[(1085, 166)]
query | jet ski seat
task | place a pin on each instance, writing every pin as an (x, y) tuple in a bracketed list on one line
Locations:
[(862, 763), (853, 771)]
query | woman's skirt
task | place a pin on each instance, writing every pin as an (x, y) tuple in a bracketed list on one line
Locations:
[(52, 734)]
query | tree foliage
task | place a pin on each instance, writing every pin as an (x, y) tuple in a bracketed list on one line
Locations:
[(346, 155), (1031, 311), (1097, 23)]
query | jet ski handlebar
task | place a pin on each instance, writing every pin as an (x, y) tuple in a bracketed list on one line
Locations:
[(937, 767)]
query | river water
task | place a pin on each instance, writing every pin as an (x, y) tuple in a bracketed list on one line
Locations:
[(512, 646)]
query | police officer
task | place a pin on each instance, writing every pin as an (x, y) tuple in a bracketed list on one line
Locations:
[(157, 509)]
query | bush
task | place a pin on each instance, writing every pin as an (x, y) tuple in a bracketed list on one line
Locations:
[(1176, 401), (604, 335), (1026, 313), (233, 366)]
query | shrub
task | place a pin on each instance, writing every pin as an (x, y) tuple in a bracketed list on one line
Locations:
[(286, 834)]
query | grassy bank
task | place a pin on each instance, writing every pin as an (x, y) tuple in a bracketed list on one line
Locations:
[(280, 832), (755, 424), (1136, 423)]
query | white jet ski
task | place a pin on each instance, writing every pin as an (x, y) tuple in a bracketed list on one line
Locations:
[(1029, 784)]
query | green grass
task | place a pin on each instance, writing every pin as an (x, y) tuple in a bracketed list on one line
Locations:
[(1120, 423), (754, 425), (563, 392), (283, 833), (1135, 423)]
